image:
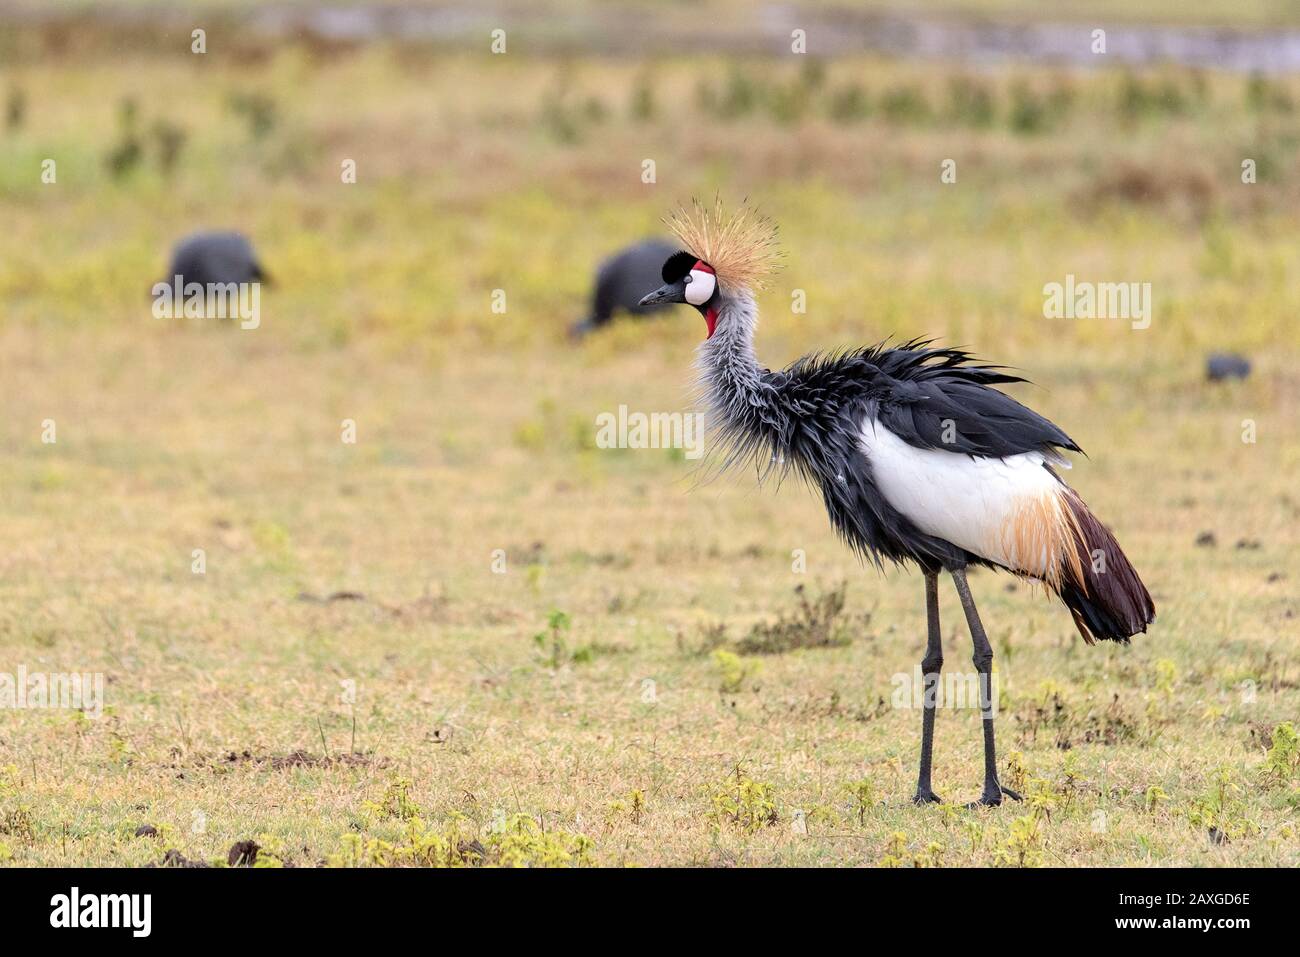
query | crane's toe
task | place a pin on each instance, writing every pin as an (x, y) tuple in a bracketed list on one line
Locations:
[(992, 797), (922, 798)]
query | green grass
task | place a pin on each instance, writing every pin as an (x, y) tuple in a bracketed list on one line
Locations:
[(475, 436)]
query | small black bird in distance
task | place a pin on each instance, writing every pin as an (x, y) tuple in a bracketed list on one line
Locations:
[(918, 458), (215, 257), (622, 280), (1226, 365)]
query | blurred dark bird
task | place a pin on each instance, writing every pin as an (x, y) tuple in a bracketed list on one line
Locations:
[(622, 280), (216, 257), (1226, 365), (917, 456)]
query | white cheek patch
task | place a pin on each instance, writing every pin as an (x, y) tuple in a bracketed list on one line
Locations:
[(700, 289)]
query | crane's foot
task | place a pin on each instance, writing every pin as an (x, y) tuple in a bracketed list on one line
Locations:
[(925, 796), (992, 797)]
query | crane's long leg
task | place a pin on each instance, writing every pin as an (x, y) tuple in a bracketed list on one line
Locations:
[(983, 659), (930, 665)]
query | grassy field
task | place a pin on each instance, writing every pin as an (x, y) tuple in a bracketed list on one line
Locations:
[(548, 652)]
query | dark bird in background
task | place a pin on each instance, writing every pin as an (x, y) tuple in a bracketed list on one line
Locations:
[(622, 280), (215, 257), (1226, 365), (917, 456)]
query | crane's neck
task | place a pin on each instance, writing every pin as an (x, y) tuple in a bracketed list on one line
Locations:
[(730, 376)]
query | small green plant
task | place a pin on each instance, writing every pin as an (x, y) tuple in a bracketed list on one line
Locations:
[(1023, 846), (930, 856), (1069, 785), (395, 804), (524, 843), (1154, 797), (1017, 773), (535, 575), (119, 749), (894, 850), (554, 645), (632, 806), (1166, 676), (743, 803), (733, 670), (9, 780), (863, 795), (453, 844), (270, 851), (1041, 798), (1282, 761), (551, 642), (1220, 812)]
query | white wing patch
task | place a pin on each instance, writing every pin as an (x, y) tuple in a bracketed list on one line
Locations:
[(1011, 510)]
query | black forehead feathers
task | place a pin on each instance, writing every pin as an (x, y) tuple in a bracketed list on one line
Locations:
[(678, 265)]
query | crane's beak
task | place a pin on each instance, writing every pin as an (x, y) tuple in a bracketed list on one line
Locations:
[(672, 292)]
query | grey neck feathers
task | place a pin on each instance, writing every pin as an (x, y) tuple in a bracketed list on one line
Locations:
[(729, 372), (740, 407)]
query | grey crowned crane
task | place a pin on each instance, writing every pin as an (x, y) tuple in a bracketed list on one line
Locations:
[(917, 456)]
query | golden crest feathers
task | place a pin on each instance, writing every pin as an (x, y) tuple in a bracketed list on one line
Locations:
[(741, 247)]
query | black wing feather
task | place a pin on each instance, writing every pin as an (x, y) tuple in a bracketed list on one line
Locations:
[(930, 397)]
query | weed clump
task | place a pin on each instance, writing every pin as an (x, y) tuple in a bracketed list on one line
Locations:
[(743, 804), (819, 622), (519, 840), (1221, 811), (1282, 762)]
